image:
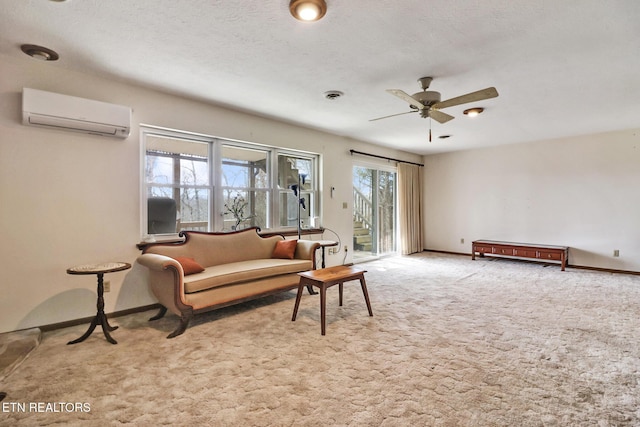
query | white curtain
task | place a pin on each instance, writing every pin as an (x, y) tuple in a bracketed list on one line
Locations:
[(410, 209)]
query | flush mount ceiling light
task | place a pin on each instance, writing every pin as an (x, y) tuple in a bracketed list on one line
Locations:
[(472, 112), (308, 10), (39, 52)]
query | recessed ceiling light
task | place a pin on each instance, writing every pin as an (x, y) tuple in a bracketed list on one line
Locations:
[(308, 10), (472, 112), (39, 52)]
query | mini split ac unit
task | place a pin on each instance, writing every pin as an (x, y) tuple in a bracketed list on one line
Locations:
[(56, 111)]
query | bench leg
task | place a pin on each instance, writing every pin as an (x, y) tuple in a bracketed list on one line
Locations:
[(340, 292), (323, 308), (363, 285), (298, 297)]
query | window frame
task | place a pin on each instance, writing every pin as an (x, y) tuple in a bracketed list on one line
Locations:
[(268, 189), (144, 186), (216, 207), (313, 192)]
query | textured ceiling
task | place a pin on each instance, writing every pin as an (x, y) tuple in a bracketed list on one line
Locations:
[(562, 68)]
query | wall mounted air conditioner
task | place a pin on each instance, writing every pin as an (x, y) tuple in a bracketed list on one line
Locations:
[(56, 111)]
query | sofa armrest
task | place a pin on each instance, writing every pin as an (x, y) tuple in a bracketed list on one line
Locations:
[(157, 262), (306, 249), (166, 280)]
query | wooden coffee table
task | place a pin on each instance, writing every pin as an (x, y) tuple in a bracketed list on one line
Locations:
[(325, 278)]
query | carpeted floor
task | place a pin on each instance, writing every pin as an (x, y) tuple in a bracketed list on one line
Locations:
[(453, 342), (15, 347)]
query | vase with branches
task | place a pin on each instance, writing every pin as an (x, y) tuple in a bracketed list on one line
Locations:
[(236, 208)]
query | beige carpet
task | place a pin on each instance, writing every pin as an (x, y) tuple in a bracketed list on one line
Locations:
[(453, 342), (15, 347)]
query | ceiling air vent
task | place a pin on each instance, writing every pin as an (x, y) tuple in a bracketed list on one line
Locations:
[(333, 94)]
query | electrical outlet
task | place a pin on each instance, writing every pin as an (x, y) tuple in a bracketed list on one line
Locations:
[(462, 240), (616, 252), (346, 248), (107, 286)]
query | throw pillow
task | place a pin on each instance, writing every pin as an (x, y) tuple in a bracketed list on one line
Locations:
[(189, 265), (284, 249)]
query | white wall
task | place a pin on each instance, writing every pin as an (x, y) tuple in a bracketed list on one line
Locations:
[(581, 192), (70, 199)]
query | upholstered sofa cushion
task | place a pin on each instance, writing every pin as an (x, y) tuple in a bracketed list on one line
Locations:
[(242, 271)]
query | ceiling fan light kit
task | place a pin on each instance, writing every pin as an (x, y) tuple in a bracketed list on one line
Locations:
[(472, 112), (308, 10)]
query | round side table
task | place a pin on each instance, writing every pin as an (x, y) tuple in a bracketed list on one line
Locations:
[(101, 318)]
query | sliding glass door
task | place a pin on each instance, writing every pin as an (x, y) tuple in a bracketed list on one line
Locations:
[(374, 211)]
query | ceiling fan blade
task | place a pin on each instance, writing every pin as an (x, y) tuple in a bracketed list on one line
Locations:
[(440, 117), (405, 96), (393, 115), (479, 95)]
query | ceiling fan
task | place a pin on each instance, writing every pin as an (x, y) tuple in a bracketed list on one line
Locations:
[(428, 103)]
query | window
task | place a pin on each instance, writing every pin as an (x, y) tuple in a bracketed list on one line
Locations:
[(177, 169), (245, 187), (195, 182), (296, 172)]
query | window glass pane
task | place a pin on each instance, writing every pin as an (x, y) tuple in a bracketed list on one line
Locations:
[(244, 168), (176, 161), (244, 209), (291, 168), (194, 172), (190, 209), (159, 169), (289, 209), (194, 209)]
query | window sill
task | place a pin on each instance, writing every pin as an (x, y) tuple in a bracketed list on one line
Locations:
[(286, 233), (292, 232)]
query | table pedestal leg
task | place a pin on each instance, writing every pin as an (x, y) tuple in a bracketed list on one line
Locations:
[(100, 318)]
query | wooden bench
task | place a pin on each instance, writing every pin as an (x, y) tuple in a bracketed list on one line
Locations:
[(325, 278), (521, 250)]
